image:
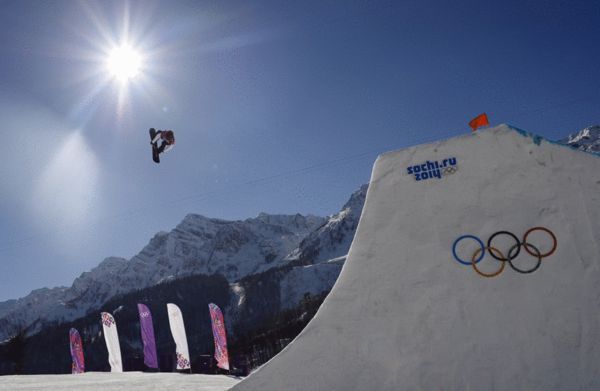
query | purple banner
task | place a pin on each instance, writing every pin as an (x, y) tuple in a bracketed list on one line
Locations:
[(148, 336), (218, 327), (78, 365)]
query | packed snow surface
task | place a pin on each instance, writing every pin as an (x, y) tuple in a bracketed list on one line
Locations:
[(126, 381), (405, 315)]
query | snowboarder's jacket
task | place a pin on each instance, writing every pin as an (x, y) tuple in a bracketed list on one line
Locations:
[(168, 140)]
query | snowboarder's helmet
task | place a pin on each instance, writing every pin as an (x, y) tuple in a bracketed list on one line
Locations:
[(170, 137)]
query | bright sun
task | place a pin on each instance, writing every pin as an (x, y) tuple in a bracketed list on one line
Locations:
[(124, 63)]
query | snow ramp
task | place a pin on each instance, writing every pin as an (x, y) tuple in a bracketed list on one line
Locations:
[(405, 314)]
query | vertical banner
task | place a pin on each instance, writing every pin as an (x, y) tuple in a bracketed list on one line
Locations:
[(218, 328), (148, 340), (178, 331), (111, 337), (78, 365)]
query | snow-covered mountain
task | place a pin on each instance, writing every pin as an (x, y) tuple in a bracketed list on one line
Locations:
[(201, 245), (333, 238), (313, 267), (587, 139), (198, 245), (264, 282), (311, 279)]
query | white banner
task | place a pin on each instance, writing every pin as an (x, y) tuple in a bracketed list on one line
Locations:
[(178, 331), (112, 342)]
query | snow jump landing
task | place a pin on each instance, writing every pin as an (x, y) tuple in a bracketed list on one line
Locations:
[(406, 315)]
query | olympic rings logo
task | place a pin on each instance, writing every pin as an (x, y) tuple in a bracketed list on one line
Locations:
[(511, 255), (449, 170)]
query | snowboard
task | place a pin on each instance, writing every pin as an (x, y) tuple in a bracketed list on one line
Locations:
[(155, 154)]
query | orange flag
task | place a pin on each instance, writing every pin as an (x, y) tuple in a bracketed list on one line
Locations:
[(479, 121)]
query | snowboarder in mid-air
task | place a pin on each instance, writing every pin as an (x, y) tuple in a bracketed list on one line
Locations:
[(168, 141)]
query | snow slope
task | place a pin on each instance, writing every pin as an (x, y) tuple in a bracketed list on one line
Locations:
[(404, 315), (128, 381)]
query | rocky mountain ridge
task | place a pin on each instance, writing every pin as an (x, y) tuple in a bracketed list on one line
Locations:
[(198, 245)]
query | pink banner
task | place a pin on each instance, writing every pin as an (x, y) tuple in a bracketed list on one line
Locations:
[(218, 327), (78, 365)]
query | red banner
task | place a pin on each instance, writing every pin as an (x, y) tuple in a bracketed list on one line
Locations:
[(218, 327)]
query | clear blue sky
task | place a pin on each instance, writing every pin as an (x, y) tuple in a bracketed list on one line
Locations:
[(277, 106)]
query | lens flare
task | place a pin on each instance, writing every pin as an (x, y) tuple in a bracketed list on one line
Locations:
[(67, 187)]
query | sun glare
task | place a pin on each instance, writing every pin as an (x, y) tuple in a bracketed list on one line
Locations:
[(124, 63)]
